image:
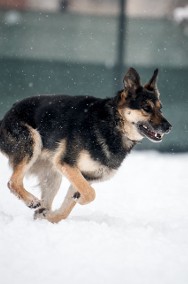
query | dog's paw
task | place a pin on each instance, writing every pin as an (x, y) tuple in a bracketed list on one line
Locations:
[(41, 213), (33, 204), (76, 196), (52, 217)]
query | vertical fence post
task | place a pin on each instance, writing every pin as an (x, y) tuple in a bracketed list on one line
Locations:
[(119, 64)]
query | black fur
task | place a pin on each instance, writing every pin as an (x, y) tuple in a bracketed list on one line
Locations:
[(81, 120)]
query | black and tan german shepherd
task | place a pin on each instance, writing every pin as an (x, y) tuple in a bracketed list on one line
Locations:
[(82, 138)]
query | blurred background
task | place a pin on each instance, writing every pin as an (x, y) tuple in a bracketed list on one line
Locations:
[(84, 47)]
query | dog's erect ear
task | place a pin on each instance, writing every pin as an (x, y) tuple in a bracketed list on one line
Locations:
[(152, 84), (131, 80)]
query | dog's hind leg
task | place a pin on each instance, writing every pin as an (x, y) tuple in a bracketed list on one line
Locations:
[(16, 186), (49, 181), (62, 213), (28, 149), (49, 187)]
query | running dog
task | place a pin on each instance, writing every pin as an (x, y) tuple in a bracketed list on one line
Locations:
[(82, 138)]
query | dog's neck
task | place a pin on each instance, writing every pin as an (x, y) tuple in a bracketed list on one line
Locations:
[(128, 143), (124, 127)]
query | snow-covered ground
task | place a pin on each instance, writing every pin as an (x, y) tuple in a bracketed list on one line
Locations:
[(135, 232)]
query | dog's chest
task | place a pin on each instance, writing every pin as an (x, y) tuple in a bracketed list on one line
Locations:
[(93, 169)]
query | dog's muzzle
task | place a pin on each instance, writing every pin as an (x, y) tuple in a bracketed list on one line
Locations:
[(154, 133)]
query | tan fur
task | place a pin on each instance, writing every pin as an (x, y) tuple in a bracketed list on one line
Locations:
[(158, 104), (88, 166), (65, 209), (123, 97), (49, 180), (16, 181), (133, 115), (151, 104), (86, 163), (37, 144), (59, 152), (48, 175), (129, 119), (46, 155), (16, 185), (77, 180)]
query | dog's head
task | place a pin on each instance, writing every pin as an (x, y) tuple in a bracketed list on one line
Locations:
[(140, 108)]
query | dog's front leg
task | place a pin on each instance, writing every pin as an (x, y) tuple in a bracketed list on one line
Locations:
[(80, 192), (71, 198), (84, 193)]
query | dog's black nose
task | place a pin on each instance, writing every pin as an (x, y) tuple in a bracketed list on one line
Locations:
[(166, 126)]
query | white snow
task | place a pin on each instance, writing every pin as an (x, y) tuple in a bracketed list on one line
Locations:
[(135, 232)]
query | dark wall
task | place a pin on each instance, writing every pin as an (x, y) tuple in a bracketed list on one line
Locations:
[(23, 78)]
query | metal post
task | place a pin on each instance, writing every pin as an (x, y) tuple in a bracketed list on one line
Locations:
[(119, 68)]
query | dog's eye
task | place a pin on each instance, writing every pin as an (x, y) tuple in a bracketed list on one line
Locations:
[(147, 108)]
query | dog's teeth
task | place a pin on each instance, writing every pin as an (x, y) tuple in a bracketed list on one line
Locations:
[(157, 135), (145, 126)]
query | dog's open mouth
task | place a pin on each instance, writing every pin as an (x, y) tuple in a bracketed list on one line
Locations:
[(147, 131)]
